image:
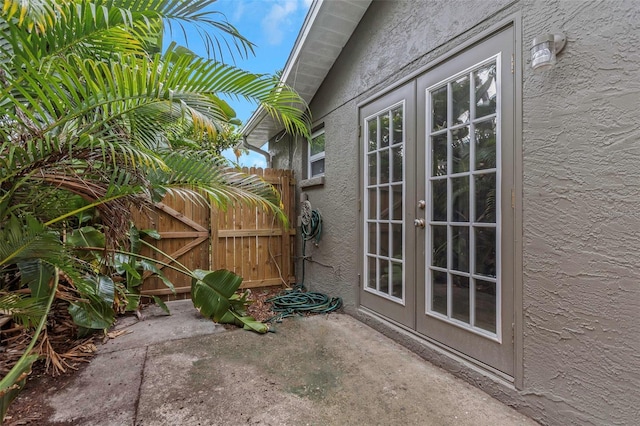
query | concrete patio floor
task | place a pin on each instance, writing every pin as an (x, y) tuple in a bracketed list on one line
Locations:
[(323, 370)]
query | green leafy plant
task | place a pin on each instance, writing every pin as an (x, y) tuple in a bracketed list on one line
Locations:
[(214, 295), (91, 117)]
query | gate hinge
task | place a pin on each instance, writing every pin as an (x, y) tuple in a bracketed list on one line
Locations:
[(513, 63)]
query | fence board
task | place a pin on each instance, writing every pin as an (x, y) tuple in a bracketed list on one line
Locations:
[(252, 242), (184, 237), (246, 240)]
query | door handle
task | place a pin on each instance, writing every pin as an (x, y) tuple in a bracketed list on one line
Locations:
[(419, 223)]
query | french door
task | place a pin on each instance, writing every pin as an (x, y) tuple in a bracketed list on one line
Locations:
[(389, 147), (438, 238)]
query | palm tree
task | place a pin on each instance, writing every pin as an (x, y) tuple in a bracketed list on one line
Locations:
[(91, 111)]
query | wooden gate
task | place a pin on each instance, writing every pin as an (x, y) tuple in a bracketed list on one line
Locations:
[(184, 236), (243, 239), (252, 243)]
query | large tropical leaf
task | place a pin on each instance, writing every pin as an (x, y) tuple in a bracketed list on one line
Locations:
[(244, 321), (210, 292), (133, 267), (97, 311), (36, 273), (87, 236), (213, 294)]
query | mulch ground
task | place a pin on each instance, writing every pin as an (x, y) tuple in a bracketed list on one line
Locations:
[(68, 356)]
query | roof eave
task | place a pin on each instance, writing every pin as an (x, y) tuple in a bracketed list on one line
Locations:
[(328, 26)]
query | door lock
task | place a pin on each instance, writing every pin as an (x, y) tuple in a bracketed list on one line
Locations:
[(419, 223)]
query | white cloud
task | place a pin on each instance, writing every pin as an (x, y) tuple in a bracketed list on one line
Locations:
[(238, 12), (277, 21)]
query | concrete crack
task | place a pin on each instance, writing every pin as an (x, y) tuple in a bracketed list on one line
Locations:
[(144, 364)]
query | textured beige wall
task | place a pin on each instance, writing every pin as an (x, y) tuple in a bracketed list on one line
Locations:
[(582, 213), (581, 190)]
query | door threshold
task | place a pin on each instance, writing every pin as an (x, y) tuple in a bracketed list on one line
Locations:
[(468, 362)]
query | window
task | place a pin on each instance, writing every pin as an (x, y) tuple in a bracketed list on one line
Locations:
[(316, 154), (384, 205), (464, 188)]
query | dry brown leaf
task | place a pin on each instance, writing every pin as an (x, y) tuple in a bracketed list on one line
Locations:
[(117, 333)]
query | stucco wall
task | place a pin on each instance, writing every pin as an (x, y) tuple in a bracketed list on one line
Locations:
[(581, 213), (580, 193), (392, 42), (331, 267)]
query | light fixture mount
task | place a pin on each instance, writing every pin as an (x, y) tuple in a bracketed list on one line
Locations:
[(544, 49)]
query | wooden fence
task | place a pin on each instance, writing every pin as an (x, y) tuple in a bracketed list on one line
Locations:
[(246, 240)]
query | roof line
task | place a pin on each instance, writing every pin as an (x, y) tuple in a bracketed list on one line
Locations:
[(260, 113), (327, 27)]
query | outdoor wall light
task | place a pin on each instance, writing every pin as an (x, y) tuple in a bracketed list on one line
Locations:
[(544, 49)]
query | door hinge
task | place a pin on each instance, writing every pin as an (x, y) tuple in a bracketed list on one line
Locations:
[(513, 63), (359, 205), (513, 198), (513, 332), (359, 131)]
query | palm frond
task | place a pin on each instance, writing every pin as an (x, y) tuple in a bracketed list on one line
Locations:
[(128, 91), (24, 310), (44, 30), (194, 173), (212, 27), (25, 239), (30, 14)]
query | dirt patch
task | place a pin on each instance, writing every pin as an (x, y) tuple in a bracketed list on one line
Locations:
[(30, 408), (260, 309)]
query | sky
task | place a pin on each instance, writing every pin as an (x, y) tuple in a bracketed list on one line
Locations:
[(272, 26)]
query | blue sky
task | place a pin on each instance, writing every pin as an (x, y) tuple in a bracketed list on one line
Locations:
[(272, 26)]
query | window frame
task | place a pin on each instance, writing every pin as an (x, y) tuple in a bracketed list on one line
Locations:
[(390, 221), (316, 157), (472, 225)]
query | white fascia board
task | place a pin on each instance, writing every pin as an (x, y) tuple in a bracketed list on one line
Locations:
[(304, 44), (261, 114)]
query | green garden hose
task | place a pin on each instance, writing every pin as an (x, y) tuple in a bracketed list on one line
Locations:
[(311, 226), (298, 301)]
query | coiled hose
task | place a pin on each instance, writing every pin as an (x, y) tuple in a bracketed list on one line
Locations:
[(311, 226), (298, 301)]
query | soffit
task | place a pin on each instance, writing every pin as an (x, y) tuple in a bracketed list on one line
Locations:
[(327, 28)]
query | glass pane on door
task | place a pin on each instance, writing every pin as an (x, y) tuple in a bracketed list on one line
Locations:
[(385, 229), (463, 282)]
